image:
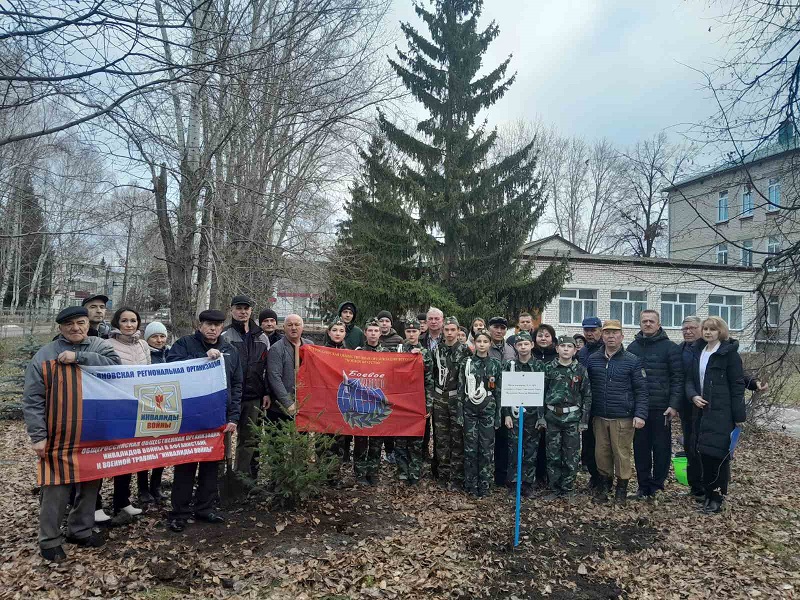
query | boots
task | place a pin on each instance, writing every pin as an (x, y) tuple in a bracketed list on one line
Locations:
[(601, 489), (621, 493)]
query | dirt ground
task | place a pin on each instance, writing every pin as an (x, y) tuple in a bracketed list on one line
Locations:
[(393, 541)]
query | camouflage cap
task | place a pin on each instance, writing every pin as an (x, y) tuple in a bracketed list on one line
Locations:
[(451, 321), (373, 322), (566, 339), (336, 321), (523, 336), (483, 332), (412, 324)]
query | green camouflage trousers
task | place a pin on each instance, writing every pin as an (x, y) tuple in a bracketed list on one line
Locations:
[(530, 447), (408, 455), (246, 439), (448, 438), (367, 455), (479, 446), (563, 442)]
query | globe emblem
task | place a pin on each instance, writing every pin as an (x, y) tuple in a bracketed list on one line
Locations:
[(361, 406)]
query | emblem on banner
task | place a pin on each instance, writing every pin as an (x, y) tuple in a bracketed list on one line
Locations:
[(362, 406), (159, 409)]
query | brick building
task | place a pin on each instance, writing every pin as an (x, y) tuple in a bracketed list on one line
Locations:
[(620, 287)]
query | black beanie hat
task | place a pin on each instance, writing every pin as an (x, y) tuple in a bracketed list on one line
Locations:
[(267, 313)]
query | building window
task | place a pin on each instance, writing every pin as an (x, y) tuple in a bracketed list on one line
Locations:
[(774, 194), (747, 203), (747, 253), (676, 307), (722, 207), (773, 311), (626, 306), (728, 308), (722, 254), (773, 249), (576, 305)]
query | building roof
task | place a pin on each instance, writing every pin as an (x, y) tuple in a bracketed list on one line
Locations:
[(664, 263), (553, 240), (775, 150)]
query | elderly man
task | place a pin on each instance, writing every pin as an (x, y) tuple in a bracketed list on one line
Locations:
[(283, 363), (692, 331), (72, 346), (96, 308), (433, 336), (241, 321), (502, 352), (619, 406), (652, 444), (207, 341), (594, 342)]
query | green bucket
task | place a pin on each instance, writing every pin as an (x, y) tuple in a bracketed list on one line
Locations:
[(679, 464)]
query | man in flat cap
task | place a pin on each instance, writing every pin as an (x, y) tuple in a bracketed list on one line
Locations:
[(619, 406), (96, 309), (448, 436), (502, 352), (592, 331), (205, 342), (241, 321), (72, 346)]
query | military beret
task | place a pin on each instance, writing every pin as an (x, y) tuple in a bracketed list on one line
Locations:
[(241, 299), (451, 321), (412, 324), (373, 322), (591, 323), (102, 297), (212, 316), (71, 312), (498, 321), (523, 336), (566, 339), (384, 314), (336, 321)]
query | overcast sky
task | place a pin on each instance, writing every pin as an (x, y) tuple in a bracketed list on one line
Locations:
[(619, 69)]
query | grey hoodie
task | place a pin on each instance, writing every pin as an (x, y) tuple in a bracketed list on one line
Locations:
[(92, 352)]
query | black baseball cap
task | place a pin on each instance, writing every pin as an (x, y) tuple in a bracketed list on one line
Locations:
[(102, 297)]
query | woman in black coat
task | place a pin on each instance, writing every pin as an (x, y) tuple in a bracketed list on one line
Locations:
[(715, 385)]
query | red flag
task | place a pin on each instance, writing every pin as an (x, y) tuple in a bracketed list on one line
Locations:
[(352, 392)]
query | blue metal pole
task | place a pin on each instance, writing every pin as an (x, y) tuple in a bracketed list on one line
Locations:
[(519, 477)]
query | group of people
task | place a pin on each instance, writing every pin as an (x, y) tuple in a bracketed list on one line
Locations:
[(605, 406)]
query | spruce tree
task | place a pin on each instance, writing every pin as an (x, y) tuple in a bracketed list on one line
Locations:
[(377, 257), (478, 210)]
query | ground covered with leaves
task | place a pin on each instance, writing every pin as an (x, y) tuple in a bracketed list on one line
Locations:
[(393, 541)]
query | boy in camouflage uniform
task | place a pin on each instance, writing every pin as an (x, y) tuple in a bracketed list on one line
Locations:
[(530, 436), (409, 451), (448, 434), (568, 399), (479, 412), (367, 449)]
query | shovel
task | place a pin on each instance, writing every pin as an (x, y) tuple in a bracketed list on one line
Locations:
[(229, 488)]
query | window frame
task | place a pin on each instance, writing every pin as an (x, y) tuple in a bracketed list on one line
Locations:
[(773, 249), (724, 310), (773, 301), (750, 211), (577, 299), (746, 253), (722, 251), (668, 316), (636, 307), (722, 218), (774, 183)]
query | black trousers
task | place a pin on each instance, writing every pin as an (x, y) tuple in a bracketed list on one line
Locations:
[(587, 451), (694, 470), (147, 482), (122, 491), (652, 452), (501, 456), (205, 498), (716, 474), (541, 460)]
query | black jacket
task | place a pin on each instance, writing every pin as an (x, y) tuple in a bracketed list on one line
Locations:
[(355, 336), (662, 361), (158, 356), (391, 340), (194, 346), (548, 354), (329, 344), (589, 349), (253, 355), (723, 389), (234, 333), (619, 390)]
